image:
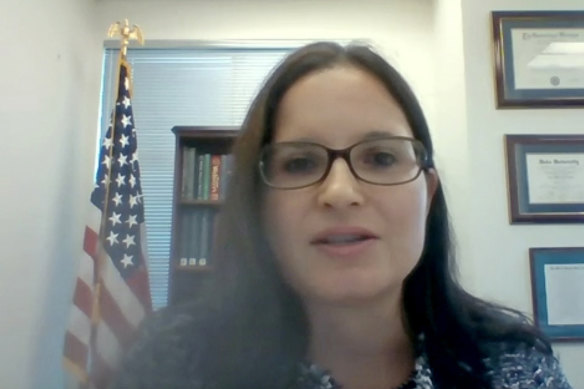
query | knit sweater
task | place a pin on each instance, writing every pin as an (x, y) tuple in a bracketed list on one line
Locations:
[(521, 368), (171, 348)]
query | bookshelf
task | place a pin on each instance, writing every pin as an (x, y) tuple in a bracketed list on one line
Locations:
[(203, 166)]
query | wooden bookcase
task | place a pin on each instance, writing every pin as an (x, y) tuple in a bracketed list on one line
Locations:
[(203, 166)]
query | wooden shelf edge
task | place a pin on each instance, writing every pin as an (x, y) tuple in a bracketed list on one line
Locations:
[(214, 203), (195, 269)]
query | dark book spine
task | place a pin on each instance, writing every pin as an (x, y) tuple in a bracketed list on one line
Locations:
[(184, 235), (225, 174), (185, 173), (200, 176), (205, 229), (190, 172), (194, 245)]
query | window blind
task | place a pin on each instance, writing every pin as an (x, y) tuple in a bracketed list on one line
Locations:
[(202, 86)]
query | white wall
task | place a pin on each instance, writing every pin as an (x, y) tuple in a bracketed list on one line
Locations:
[(49, 80), (500, 250), (49, 97)]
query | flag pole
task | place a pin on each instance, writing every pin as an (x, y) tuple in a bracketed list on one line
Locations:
[(126, 33)]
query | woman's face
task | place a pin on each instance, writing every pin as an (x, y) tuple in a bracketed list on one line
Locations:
[(343, 240)]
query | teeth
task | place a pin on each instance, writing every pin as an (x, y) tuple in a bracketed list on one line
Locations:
[(338, 239)]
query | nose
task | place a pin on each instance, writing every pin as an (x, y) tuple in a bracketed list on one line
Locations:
[(340, 188)]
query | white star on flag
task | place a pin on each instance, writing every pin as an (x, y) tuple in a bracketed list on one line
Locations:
[(129, 240), (112, 238), (107, 161), (126, 120), (132, 221), (117, 199), (107, 142), (121, 179), (115, 218), (127, 260), (122, 160), (133, 201), (124, 140), (126, 102)]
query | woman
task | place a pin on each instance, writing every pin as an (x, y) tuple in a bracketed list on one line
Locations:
[(333, 257)]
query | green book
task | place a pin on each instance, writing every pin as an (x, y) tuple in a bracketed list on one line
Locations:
[(189, 173), (206, 176)]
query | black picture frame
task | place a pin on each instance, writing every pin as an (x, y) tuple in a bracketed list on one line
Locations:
[(545, 175), (557, 285), (534, 63)]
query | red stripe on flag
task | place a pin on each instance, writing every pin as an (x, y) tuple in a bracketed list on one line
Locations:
[(83, 297), (115, 318), (139, 284), (76, 351), (90, 242)]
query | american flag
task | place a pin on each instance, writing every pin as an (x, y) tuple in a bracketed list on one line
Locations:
[(112, 293)]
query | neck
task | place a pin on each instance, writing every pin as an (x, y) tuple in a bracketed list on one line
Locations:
[(364, 346)]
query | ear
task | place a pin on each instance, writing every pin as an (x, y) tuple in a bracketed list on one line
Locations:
[(432, 182)]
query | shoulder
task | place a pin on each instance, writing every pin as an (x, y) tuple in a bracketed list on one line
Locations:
[(521, 366), (167, 351)]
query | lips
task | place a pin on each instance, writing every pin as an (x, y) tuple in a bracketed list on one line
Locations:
[(340, 236), (345, 242)]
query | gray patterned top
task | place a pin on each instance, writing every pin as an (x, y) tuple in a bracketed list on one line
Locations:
[(522, 368)]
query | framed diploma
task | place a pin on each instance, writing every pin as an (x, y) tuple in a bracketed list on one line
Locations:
[(539, 58), (557, 286), (545, 178)]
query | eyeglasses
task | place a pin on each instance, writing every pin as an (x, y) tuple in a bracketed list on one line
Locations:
[(381, 161)]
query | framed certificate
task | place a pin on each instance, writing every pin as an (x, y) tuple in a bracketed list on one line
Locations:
[(557, 286), (539, 58), (545, 178)]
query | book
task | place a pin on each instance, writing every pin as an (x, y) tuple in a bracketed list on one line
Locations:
[(192, 172), (185, 232), (204, 237), (215, 169), (200, 176), (225, 173), (206, 176), (194, 237), (189, 172), (185, 172), (183, 191)]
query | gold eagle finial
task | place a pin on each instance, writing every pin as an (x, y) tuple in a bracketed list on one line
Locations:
[(126, 32)]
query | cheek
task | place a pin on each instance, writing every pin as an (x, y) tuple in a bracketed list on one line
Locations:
[(282, 219), (278, 219), (405, 219)]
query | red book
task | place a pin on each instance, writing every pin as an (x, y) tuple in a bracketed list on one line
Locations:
[(215, 167)]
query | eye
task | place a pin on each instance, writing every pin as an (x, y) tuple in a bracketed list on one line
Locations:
[(298, 165), (379, 158)]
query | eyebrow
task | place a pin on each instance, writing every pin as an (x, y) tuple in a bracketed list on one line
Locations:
[(371, 135), (376, 134)]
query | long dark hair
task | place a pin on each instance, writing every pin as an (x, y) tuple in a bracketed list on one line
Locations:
[(259, 330)]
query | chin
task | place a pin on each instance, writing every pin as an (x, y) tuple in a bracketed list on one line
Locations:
[(359, 292)]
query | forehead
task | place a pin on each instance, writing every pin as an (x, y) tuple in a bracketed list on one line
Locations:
[(338, 106)]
